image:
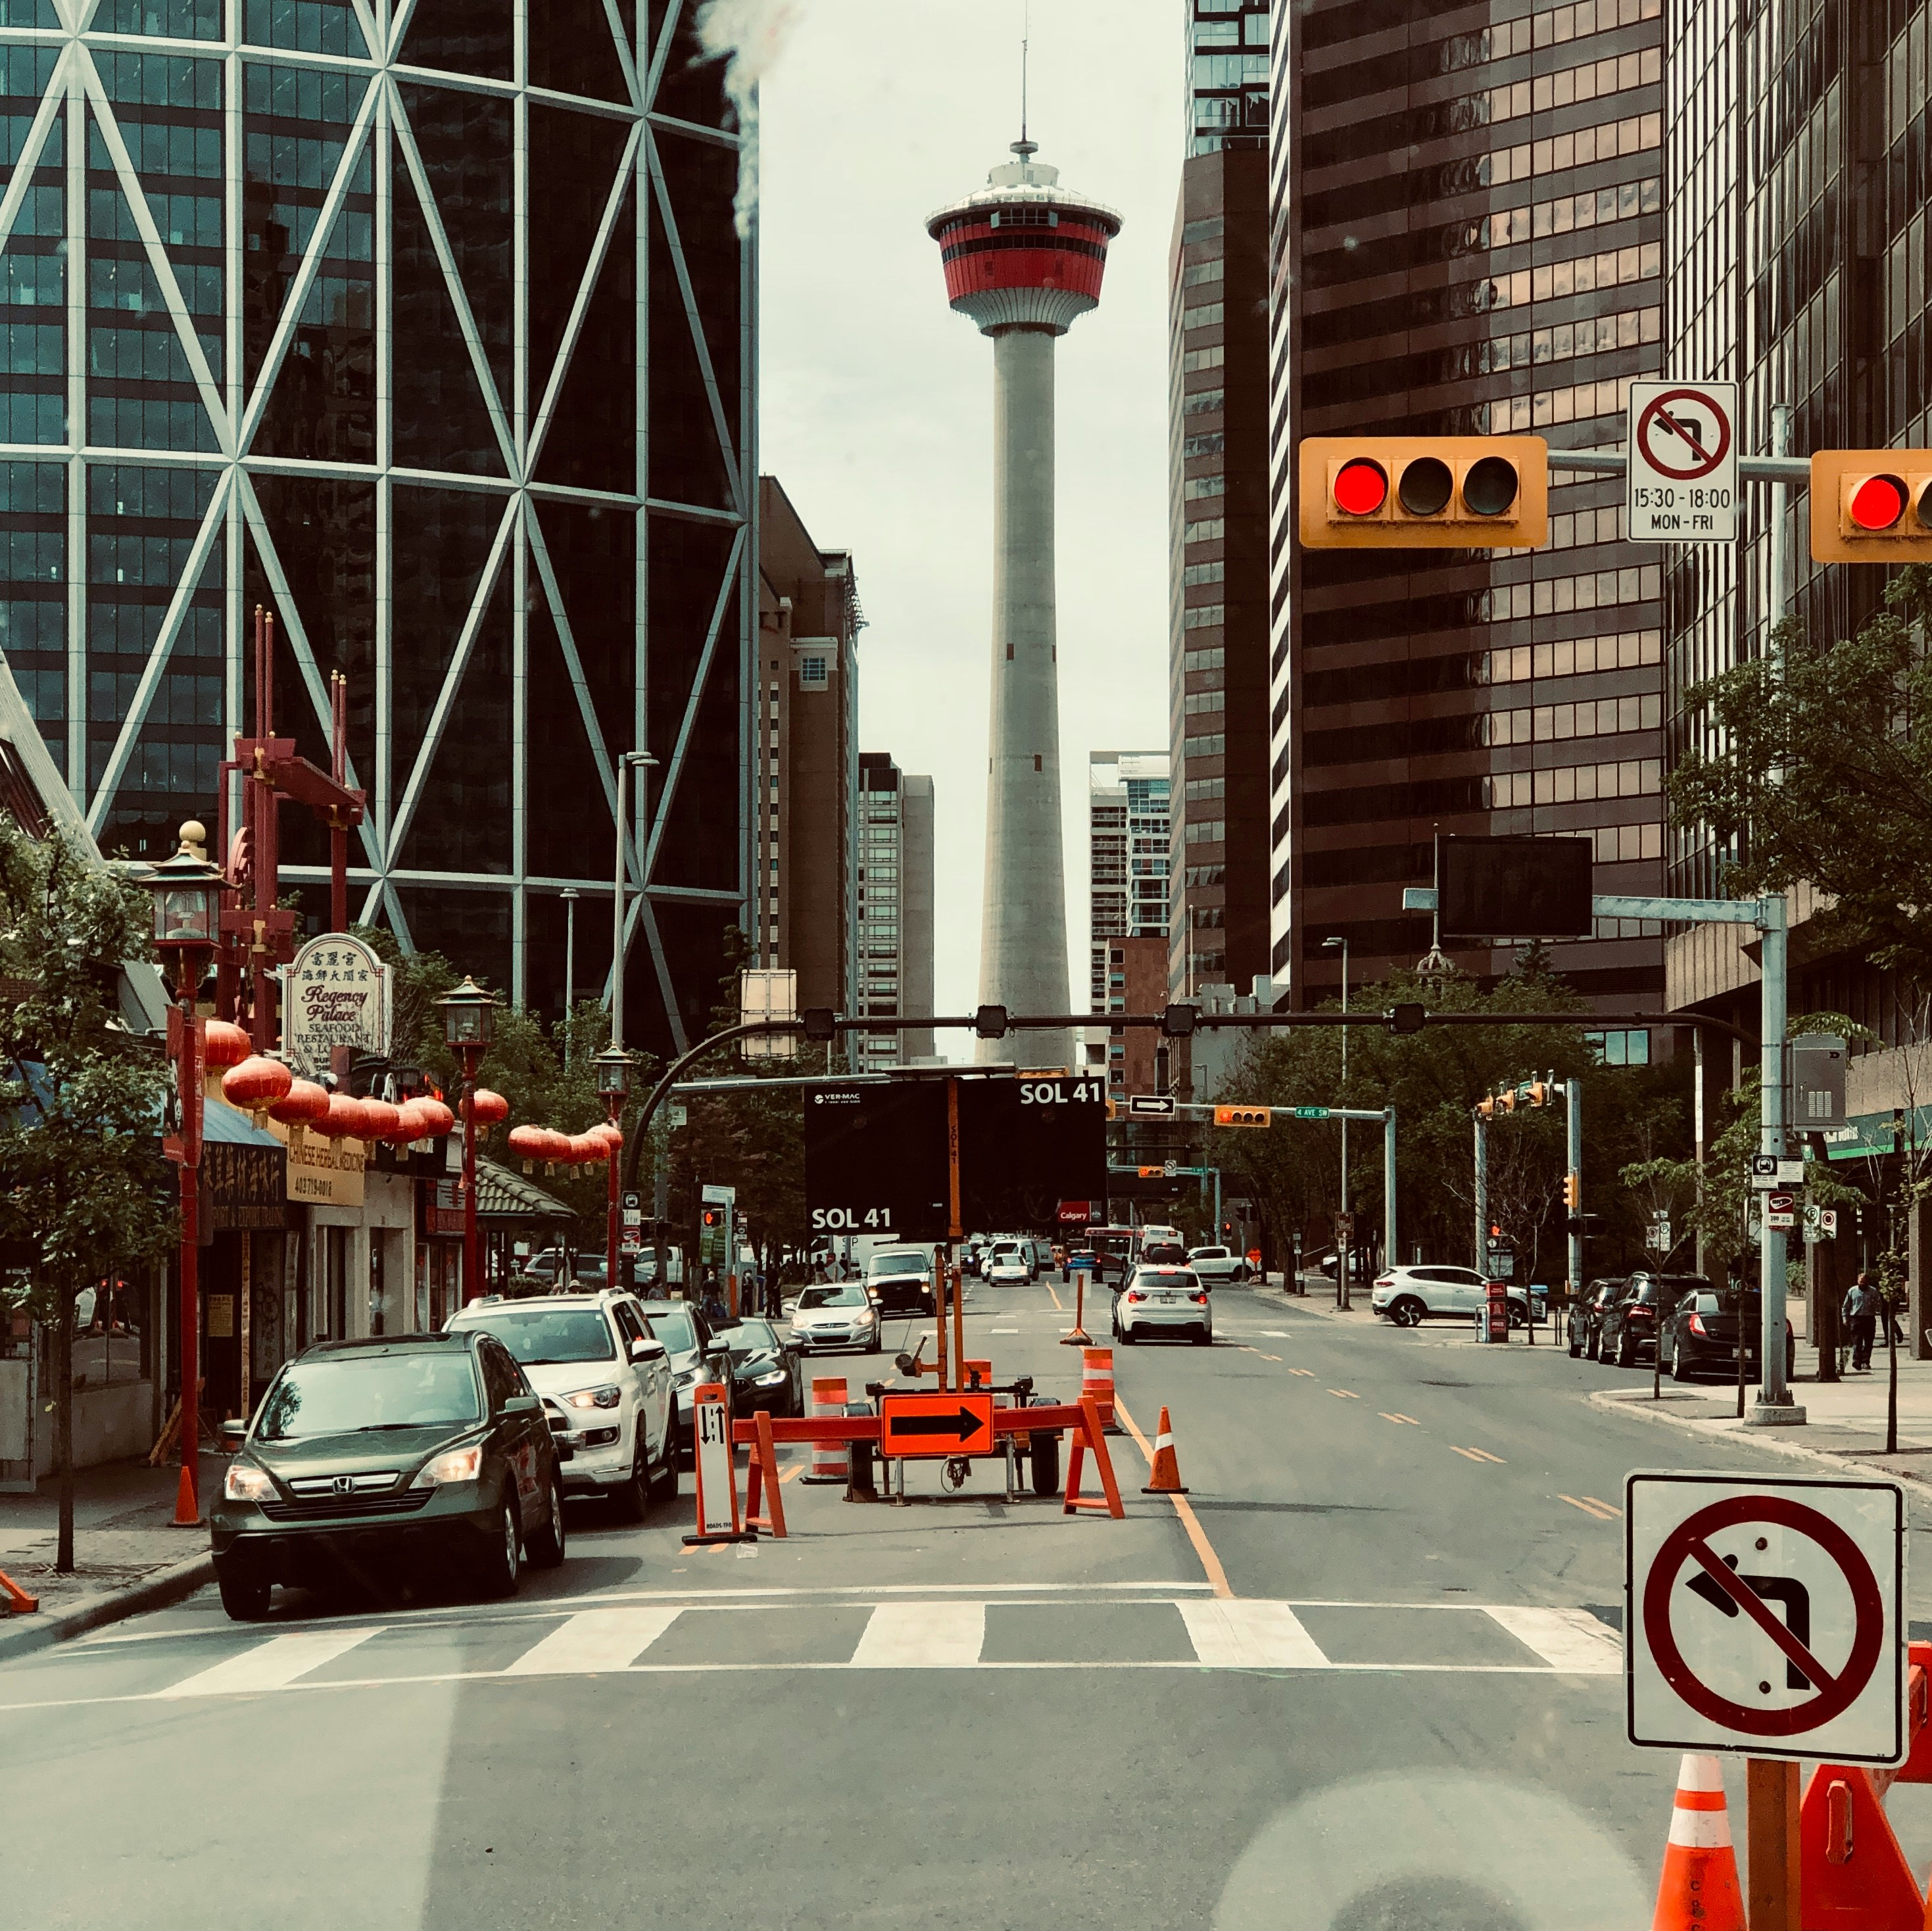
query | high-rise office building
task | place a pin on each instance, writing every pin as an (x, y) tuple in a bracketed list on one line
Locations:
[(1466, 237), (1130, 830), (1218, 515), (437, 344), (896, 887), (806, 908)]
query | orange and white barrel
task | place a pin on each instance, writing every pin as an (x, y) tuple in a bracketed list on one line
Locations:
[(1097, 1381), (830, 1460)]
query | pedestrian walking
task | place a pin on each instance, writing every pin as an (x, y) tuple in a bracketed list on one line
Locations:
[(1861, 1311)]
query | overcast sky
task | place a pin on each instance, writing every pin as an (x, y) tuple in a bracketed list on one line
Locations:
[(878, 400)]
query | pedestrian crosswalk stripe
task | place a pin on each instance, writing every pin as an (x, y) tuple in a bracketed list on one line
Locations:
[(1244, 1634), (921, 1636), (273, 1665), (595, 1640), (1571, 1640)]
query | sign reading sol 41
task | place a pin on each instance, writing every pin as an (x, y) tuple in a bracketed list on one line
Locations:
[(336, 992)]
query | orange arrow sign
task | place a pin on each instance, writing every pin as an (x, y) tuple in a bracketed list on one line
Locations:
[(936, 1425)]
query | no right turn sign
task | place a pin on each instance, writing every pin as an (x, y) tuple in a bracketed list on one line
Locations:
[(1682, 482)]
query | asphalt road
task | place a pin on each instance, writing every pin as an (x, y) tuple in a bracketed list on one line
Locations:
[(959, 1712)]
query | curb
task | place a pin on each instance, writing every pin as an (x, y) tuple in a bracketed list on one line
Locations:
[(1771, 1438), (154, 1591)]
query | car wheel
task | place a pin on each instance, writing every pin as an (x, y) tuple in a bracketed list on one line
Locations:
[(1576, 1344), (1627, 1349), (1407, 1312), (1128, 1335), (1593, 1348), (1680, 1369), (245, 1601), (632, 1496), (875, 1345), (665, 1480), (502, 1565), (547, 1545), (1045, 1455)]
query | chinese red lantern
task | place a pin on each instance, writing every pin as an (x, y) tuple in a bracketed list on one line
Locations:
[(411, 1125), (383, 1120), (225, 1045), (437, 1118), (526, 1142), (612, 1135), (556, 1146), (586, 1150), (342, 1119), (487, 1109), (303, 1104), (256, 1084)]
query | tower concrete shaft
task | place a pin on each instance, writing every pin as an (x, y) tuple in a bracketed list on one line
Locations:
[(1023, 925)]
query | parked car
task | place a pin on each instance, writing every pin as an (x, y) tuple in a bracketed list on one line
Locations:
[(1361, 1263), (1173, 1300), (837, 1314), (900, 1280), (1700, 1334), (765, 1369), (1408, 1295), (1218, 1264), (1629, 1330), (366, 1457), (687, 1338), (1586, 1317), (606, 1378)]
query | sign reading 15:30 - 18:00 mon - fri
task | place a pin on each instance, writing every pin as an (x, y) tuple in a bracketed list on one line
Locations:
[(1682, 481)]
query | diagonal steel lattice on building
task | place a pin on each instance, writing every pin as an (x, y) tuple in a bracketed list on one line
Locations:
[(426, 325)]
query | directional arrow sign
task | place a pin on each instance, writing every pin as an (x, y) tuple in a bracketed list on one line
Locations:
[(1766, 1617), (935, 1424)]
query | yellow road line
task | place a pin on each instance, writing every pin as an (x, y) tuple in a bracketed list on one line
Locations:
[(1344, 1395), (1270, 1357), (1308, 1372), (1210, 1563), (1602, 1511), (796, 1468), (1476, 1454), (1059, 1306), (1409, 1419), (1611, 1506)]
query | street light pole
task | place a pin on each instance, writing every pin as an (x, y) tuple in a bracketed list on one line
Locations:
[(569, 897), (614, 1082), (627, 762), (1344, 1249), (469, 1015)]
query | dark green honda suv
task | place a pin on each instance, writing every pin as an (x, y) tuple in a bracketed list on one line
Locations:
[(427, 1453)]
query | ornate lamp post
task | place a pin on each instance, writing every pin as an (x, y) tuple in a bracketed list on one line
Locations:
[(187, 893), (614, 1082), (468, 1025)]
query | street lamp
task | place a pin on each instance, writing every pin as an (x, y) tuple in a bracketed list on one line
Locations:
[(1344, 1245), (627, 762), (468, 1025), (613, 1084), (187, 890)]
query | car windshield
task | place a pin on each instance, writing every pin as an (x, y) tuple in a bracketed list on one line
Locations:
[(674, 1327), (342, 1394), (539, 1336), (748, 1337), (899, 1264), (847, 1294), (1163, 1277)]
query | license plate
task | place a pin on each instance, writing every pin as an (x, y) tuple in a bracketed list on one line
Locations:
[(1166, 1300)]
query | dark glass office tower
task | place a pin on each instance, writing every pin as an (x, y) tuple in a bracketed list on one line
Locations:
[(427, 327), (1466, 229)]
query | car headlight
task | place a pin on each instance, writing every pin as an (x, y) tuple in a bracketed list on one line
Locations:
[(607, 1397), (770, 1380), (245, 1482), (459, 1465)]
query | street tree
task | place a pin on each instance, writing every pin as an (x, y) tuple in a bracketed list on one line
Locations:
[(83, 1195)]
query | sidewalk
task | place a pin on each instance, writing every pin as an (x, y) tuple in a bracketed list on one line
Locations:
[(126, 1556)]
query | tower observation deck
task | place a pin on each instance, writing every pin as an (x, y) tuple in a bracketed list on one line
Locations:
[(1024, 259)]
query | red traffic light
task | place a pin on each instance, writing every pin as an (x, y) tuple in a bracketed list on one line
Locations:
[(1878, 503), (1361, 487)]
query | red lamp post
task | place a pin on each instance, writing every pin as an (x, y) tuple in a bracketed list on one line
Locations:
[(468, 1025), (187, 893), (613, 1084)]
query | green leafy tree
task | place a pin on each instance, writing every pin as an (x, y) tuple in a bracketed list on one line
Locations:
[(1815, 767), (83, 1194)]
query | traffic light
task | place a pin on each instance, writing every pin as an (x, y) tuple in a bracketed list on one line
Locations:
[(1243, 1116), (1573, 1191), (1538, 1094), (1506, 1100), (1424, 492), (1486, 1106), (714, 1216), (1871, 506)]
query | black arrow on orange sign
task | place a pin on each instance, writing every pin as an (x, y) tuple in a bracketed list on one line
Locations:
[(962, 1426)]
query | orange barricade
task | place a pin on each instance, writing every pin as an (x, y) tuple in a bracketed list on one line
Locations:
[(831, 1461), (1092, 1436), (764, 1476), (1097, 1382), (14, 1601)]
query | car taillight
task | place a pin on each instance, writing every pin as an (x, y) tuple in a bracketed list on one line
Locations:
[(1697, 1324), (1387, 1281), (1202, 1298), (1638, 1313), (1134, 1294)]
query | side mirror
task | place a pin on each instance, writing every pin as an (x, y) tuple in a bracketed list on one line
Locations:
[(233, 1434), (794, 1345), (642, 1351), (522, 1404)]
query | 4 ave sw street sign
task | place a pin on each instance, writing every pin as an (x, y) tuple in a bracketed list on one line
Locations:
[(1766, 1618), (1682, 482)]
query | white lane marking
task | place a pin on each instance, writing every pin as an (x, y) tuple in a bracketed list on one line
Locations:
[(595, 1640), (273, 1665), (1003, 1330), (1571, 1640), (921, 1636), (1250, 1634)]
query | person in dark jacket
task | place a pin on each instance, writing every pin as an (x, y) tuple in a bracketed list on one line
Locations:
[(1860, 1312)]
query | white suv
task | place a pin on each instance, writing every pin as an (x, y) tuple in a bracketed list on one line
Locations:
[(601, 1373), (1408, 1295), (1218, 1264)]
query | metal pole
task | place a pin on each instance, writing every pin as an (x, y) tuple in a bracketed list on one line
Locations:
[(612, 1166), (617, 911), (1781, 563), (1775, 1405), (1345, 1201), (1573, 1095), (1482, 1190), (1217, 1195), (569, 966), (187, 1508), (473, 1250), (1390, 1256)]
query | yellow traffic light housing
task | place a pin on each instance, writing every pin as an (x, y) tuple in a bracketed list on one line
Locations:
[(1539, 1093), (1424, 492), (1243, 1116), (1573, 1191), (1486, 1106), (1871, 506), (1506, 1100)]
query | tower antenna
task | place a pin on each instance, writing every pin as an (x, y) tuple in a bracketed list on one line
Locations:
[(1023, 147)]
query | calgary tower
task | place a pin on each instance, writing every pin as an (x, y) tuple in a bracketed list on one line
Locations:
[(1024, 257)]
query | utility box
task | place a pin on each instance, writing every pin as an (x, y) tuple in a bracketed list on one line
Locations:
[(1817, 1082)]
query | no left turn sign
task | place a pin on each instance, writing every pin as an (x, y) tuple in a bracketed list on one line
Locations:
[(1682, 484), (1766, 1617)]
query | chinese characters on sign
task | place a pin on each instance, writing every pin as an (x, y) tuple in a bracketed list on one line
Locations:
[(336, 994)]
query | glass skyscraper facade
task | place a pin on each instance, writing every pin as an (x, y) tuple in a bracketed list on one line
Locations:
[(426, 327)]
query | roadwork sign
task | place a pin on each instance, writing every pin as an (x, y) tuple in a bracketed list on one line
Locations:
[(1682, 482), (1766, 1618), (935, 1424)]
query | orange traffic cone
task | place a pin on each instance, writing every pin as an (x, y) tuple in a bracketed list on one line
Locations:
[(1166, 1470), (1698, 1890), (188, 1514)]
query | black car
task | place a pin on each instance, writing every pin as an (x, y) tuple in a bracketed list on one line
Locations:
[(427, 1452), (1700, 1335), (1629, 1329), (1586, 1317), (765, 1373)]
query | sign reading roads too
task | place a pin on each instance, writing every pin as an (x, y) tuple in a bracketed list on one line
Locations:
[(1682, 482), (1766, 1618)]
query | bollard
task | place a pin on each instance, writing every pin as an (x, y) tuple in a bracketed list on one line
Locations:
[(1097, 1383), (830, 1463)]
